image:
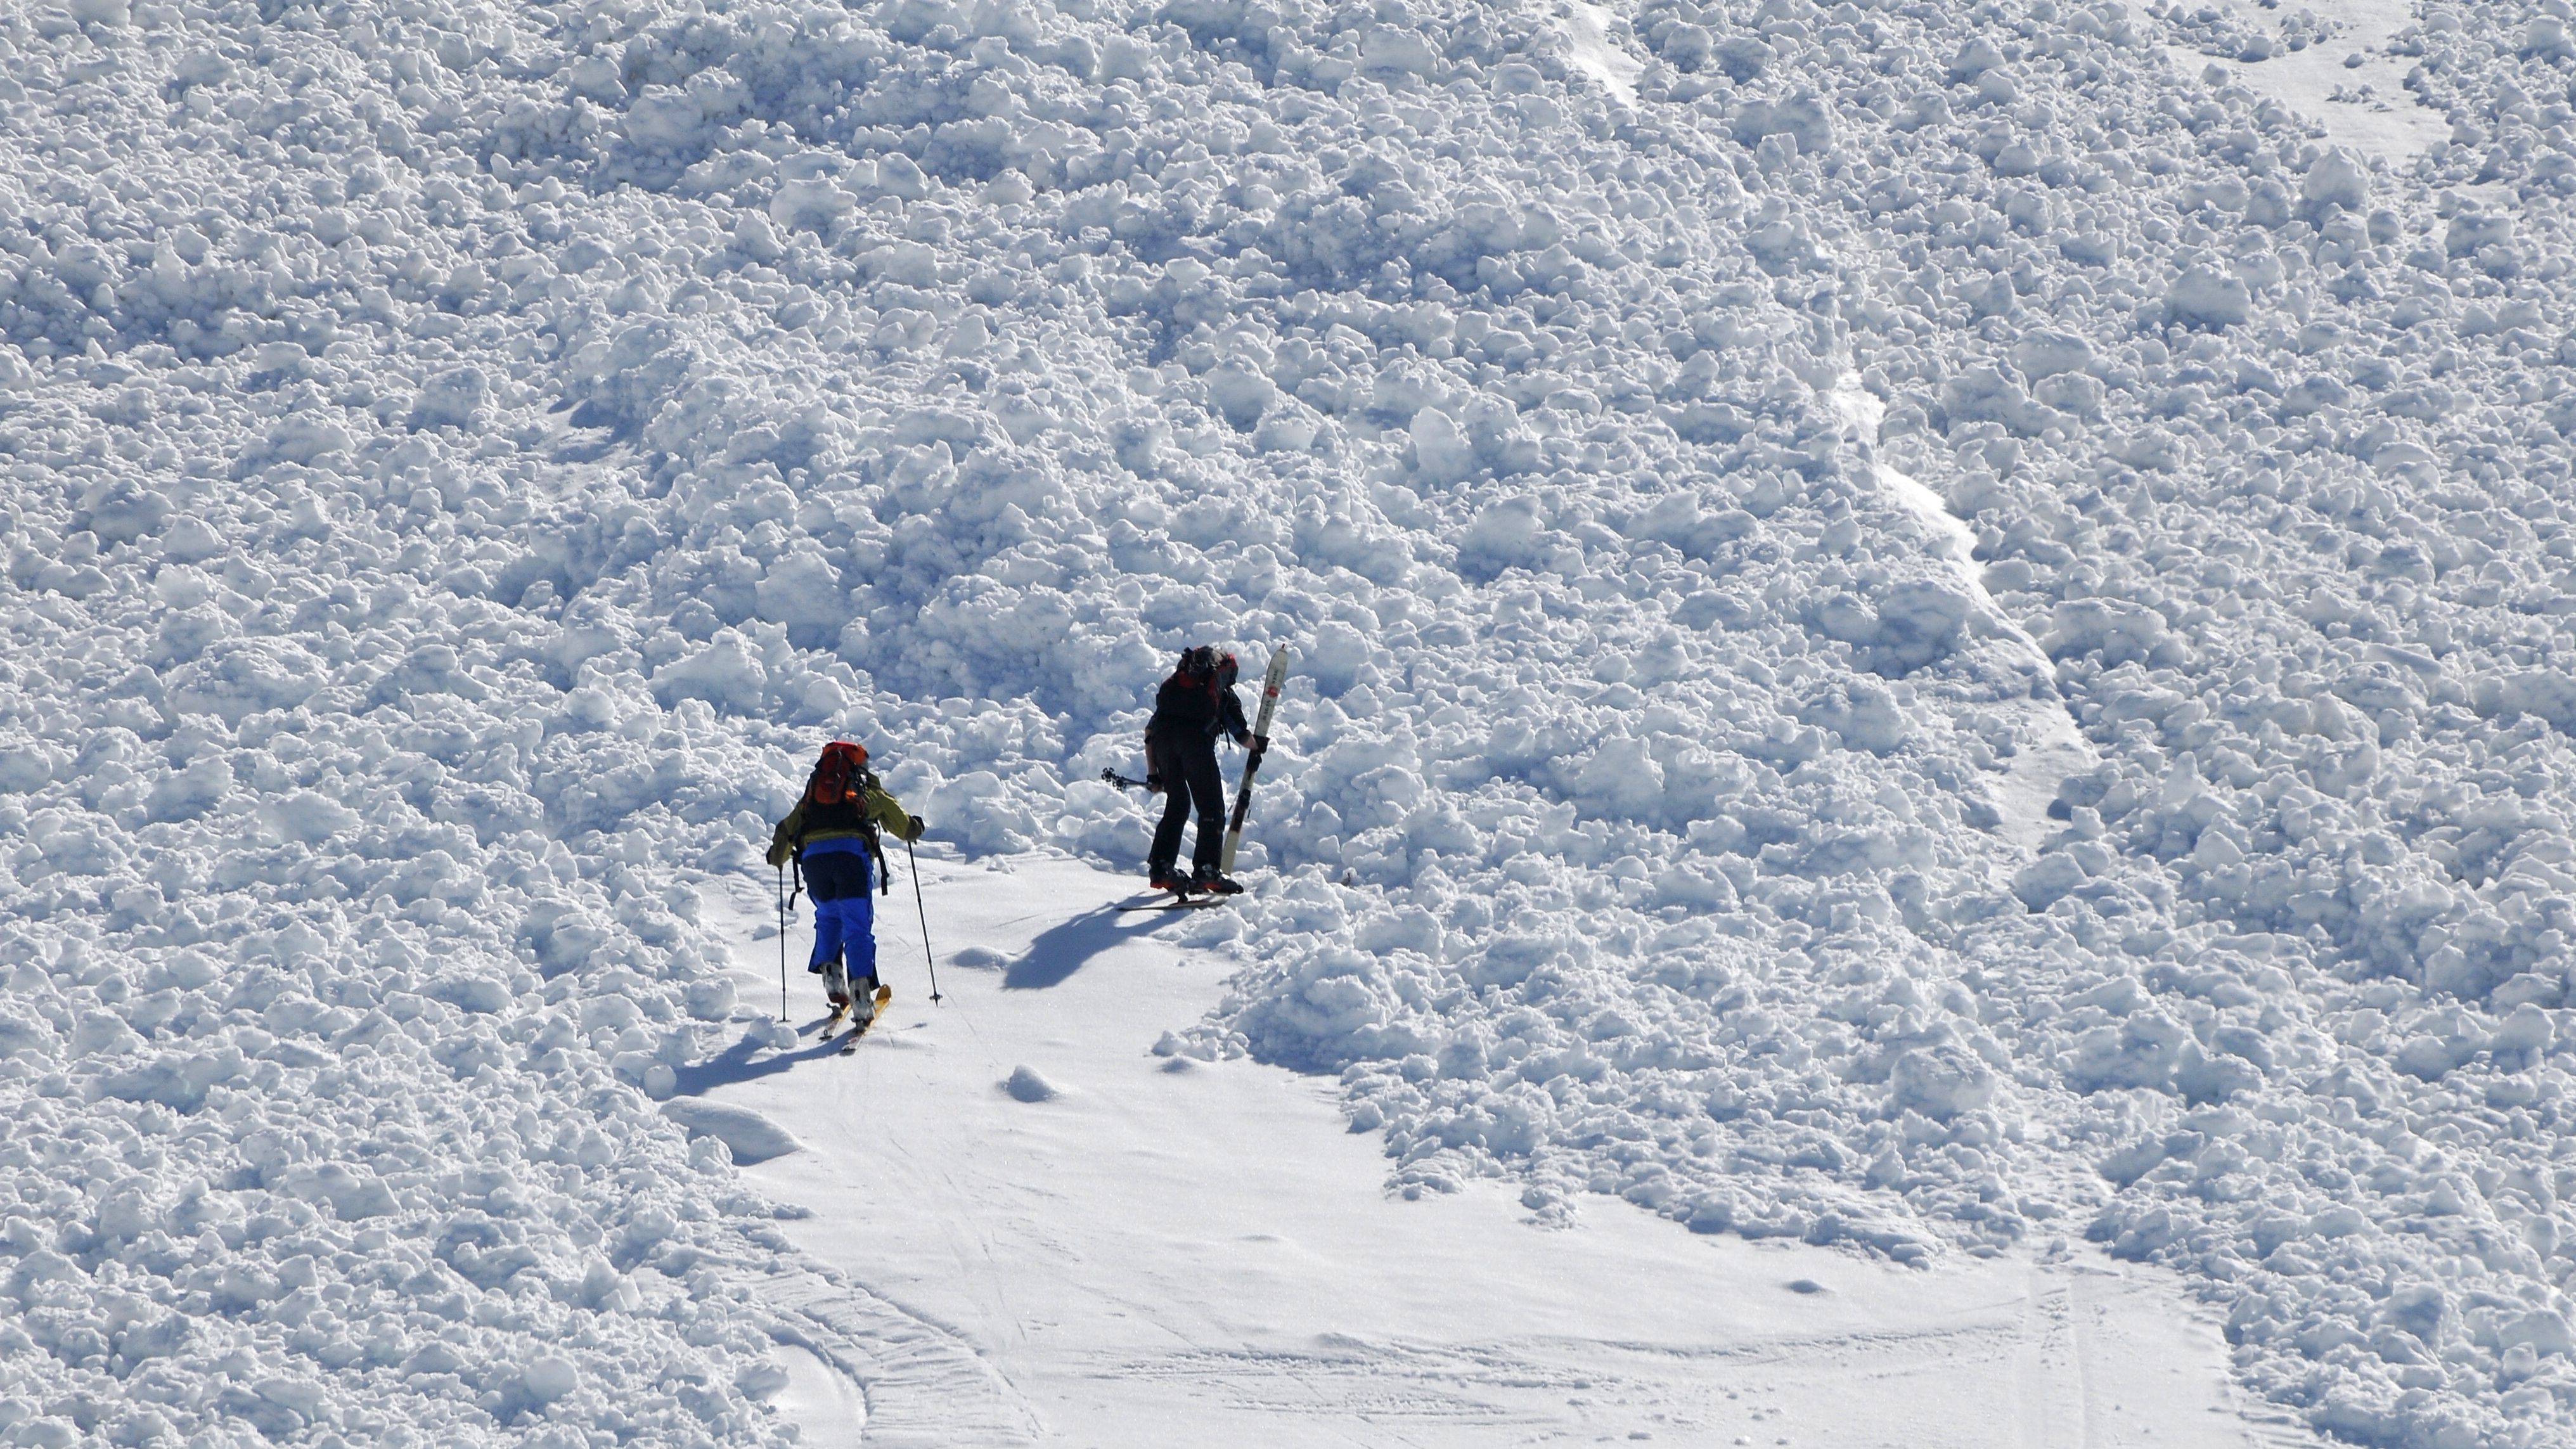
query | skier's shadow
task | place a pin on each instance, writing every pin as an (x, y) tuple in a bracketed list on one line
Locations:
[(737, 1063), (1066, 947)]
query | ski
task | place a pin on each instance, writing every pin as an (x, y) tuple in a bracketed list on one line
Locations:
[(1176, 903), (850, 1043), (1271, 680)]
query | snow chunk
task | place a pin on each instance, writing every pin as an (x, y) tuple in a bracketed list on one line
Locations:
[(1802, 118), (243, 677), (1864, 714), (1621, 781), (753, 1137), (1025, 1085), (191, 792), (2204, 296), (2337, 178), (2047, 352), (811, 204), (1939, 1081), (451, 399), (549, 1377), (725, 673), (1440, 449), (2042, 882)]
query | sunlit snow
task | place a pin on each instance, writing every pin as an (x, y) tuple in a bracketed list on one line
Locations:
[(1936, 632)]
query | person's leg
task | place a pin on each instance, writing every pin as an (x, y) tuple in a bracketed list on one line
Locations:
[(831, 945), (863, 960), (1166, 854), (838, 881), (827, 935), (1207, 790), (859, 935)]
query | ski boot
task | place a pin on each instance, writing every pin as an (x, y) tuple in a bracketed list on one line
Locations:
[(863, 1001), (1171, 878), (836, 987), (1217, 883)]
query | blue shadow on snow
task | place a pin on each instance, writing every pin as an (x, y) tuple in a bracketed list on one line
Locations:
[(1061, 950), (736, 1063)]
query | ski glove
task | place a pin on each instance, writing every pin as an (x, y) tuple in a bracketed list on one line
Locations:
[(1261, 743), (913, 827)]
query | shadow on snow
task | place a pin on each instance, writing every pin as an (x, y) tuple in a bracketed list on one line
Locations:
[(1061, 950), (736, 1063)]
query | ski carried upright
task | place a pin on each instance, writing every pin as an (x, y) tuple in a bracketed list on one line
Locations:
[(1271, 680)]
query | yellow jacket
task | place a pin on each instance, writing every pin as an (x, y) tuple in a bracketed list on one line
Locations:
[(872, 810)]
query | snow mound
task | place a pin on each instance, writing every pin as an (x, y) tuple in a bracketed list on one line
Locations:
[(751, 1136), (1025, 1085)]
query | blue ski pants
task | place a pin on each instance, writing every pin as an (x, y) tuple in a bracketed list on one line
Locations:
[(844, 911)]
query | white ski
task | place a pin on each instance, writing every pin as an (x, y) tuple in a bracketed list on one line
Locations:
[(1271, 679)]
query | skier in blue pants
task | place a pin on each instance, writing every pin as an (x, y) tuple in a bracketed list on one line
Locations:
[(832, 834)]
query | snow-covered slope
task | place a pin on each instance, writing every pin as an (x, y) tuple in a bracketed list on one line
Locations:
[(462, 458), (1150, 1249)]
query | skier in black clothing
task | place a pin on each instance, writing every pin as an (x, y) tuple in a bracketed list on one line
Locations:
[(1194, 707)]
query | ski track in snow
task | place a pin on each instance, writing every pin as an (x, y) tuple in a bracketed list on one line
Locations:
[(461, 459), (1591, 49), (1173, 1251), (2046, 744)]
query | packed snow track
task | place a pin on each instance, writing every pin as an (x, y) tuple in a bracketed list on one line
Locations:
[(1154, 1249)]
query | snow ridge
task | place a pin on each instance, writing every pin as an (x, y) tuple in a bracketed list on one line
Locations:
[(462, 458)]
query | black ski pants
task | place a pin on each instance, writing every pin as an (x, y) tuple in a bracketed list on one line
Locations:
[(1187, 765)]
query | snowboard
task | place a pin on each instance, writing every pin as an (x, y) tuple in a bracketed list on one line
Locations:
[(850, 1043), (1271, 680)]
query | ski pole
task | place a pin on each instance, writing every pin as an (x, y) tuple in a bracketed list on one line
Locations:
[(927, 959), (781, 898)]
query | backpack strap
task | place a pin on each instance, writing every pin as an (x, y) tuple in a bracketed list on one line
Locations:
[(867, 784)]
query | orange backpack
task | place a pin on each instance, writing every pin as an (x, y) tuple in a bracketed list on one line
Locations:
[(838, 774)]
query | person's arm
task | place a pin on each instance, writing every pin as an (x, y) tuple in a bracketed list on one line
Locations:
[(782, 841), (889, 815), (1231, 708)]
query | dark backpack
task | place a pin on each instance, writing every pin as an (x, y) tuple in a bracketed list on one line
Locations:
[(833, 798), (1198, 664), (1204, 667)]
